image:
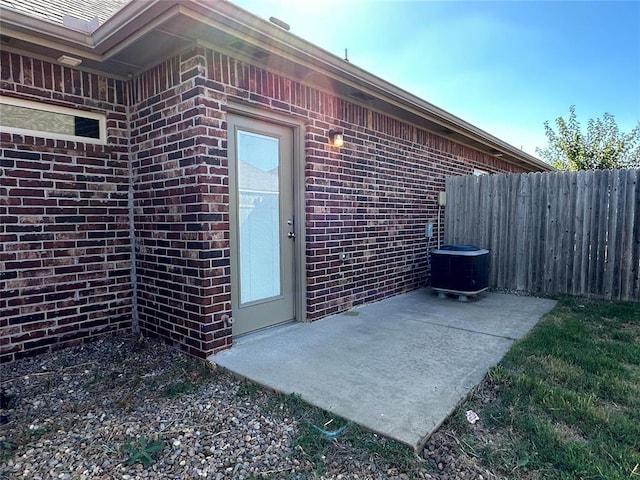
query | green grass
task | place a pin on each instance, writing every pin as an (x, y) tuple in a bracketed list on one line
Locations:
[(566, 399)]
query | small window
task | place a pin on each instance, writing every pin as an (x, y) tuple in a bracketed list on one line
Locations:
[(478, 173), (26, 117)]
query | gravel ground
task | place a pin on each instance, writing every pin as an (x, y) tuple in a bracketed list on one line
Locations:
[(85, 412)]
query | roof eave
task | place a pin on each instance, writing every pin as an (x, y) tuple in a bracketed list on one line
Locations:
[(255, 28), (24, 27), (137, 18)]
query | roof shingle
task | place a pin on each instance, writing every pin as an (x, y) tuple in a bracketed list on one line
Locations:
[(55, 10)]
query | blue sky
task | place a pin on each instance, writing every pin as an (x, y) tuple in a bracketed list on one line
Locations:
[(505, 66)]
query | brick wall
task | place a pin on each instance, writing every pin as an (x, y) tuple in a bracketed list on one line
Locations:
[(65, 231), (370, 199), (181, 205), (64, 228)]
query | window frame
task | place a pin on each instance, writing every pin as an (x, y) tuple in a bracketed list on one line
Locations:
[(47, 107)]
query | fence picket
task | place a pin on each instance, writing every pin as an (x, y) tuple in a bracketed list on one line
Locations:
[(577, 280), (550, 233), (632, 203), (522, 231), (603, 242), (563, 231), (616, 224), (635, 261), (536, 237), (576, 233)]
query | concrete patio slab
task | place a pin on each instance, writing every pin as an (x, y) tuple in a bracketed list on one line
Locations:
[(398, 366)]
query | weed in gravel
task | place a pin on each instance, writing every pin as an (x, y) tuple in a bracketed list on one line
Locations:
[(184, 377), (248, 390), (349, 440), (22, 434), (35, 432), (7, 399), (140, 451), (383, 450), (6, 450)]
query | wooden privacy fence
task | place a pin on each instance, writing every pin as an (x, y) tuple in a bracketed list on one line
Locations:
[(574, 232)]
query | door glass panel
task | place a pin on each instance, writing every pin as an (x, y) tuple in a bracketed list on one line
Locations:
[(258, 216)]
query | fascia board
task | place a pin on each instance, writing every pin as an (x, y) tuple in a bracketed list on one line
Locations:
[(75, 50)]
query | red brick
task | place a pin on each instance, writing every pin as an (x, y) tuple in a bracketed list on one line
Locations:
[(46, 171), (372, 199)]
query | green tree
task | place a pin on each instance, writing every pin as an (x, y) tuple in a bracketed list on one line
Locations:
[(603, 146)]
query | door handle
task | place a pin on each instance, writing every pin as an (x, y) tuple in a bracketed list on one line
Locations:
[(291, 235)]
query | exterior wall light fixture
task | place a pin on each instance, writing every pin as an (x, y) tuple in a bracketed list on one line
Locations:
[(336, 138), (71, 61)]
